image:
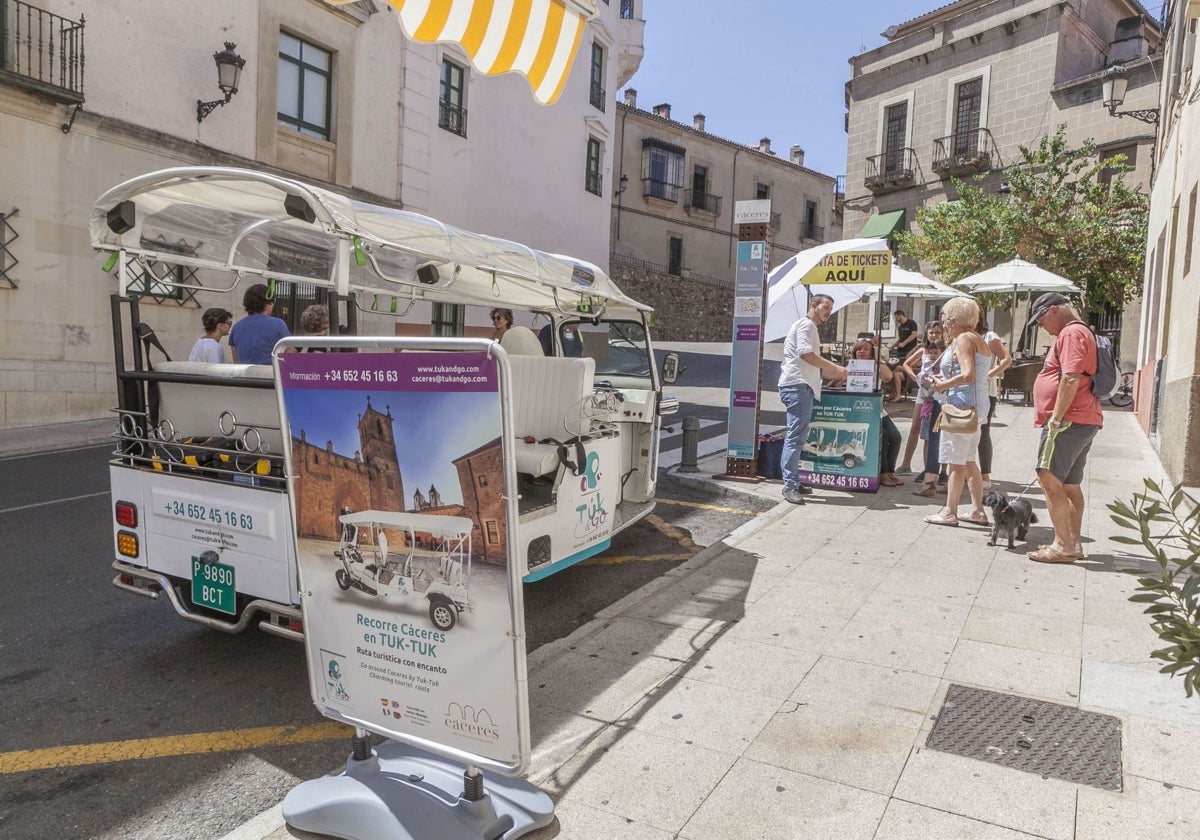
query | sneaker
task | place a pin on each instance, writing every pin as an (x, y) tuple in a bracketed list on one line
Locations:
[(793, 495), (804, 490), (903, 471)]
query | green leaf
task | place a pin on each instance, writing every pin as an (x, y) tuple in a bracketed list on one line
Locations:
[(1126, 540), (1148, 598)]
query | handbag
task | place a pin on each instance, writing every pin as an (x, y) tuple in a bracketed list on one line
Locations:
[(957, 420)]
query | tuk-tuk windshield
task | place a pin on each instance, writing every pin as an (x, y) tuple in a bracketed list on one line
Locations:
[(618, 347)]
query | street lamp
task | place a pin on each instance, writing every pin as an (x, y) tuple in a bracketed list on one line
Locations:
[(1116, 82), (229, 73)]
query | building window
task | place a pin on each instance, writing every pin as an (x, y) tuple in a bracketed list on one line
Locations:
[(662, 170), (762, 191), (895, 135), (1191, 233), (452, 115), (811, 229), (592, 180), (483, 481), (675, 256), (597, 87), (1106, 175), (491, 528), (305, 73), (626, 9), (447, 320), (968, 105)]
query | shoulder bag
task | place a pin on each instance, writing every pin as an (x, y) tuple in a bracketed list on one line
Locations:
[(957, 419)]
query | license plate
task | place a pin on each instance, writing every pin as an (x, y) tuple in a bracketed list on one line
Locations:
[(213, 586)]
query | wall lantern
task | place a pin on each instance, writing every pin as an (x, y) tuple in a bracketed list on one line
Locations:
[(229, 73), (1116, 82)]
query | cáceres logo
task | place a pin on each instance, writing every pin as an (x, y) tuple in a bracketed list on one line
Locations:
[(472, 723)]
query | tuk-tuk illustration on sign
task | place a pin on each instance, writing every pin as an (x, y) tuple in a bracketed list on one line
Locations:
[(430, 560), (837, 443)]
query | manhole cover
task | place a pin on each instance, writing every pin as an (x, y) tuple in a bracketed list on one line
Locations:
[(1031, 735)]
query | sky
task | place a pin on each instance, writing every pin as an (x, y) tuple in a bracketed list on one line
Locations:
[(768, 68)]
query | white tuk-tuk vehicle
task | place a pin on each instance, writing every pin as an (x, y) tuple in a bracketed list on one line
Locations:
[(201, 507), (441, 575)]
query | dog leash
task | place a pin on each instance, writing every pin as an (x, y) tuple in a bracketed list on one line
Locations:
[(1026, 488)]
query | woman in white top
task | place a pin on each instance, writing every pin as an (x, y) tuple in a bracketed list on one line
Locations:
[(1001, 359), (216, 323)]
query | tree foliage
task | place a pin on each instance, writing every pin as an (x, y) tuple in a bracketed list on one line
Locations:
[(1066, 211)]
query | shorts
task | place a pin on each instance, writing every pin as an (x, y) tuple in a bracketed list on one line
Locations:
[(957, 448), (1063, 451)]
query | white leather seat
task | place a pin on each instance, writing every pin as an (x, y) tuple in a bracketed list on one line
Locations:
[(521, 341), (194, 410), (548, 397)]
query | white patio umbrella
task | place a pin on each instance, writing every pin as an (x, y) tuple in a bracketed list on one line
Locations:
[(787, 296), (1016, 276), (908, 283)]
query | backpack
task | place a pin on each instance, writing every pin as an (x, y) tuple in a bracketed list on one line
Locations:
[(1104, 380)]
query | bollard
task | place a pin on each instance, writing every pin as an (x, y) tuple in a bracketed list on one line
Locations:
[(691, 445)]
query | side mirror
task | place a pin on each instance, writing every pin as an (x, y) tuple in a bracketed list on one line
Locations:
[(670, 368)]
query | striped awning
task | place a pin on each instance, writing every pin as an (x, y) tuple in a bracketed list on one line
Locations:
[(536, 38)]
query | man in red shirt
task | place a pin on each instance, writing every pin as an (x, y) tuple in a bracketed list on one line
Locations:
[(1069, 415)]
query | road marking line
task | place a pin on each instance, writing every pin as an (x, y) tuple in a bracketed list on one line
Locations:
[(233, 740), (671, 532), (702, 506), (56, 501)]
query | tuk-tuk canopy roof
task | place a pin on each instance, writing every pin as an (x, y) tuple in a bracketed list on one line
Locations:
[(233, 219), (430, 523)]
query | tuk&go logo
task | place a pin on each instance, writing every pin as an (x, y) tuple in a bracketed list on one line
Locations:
[(472, 723)]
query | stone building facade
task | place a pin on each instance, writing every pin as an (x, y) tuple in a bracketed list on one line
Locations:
[(1168, 360), (481, 477), (956, 91), (381, 118), (672, 213), (329, 483)]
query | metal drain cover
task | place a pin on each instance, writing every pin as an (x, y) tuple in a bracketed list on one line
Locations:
[(1031, 735)]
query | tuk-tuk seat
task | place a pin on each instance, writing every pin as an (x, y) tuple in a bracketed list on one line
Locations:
[(549, 397)]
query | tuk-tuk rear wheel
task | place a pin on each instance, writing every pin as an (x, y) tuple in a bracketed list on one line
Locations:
[(443, 614), (343, 579)]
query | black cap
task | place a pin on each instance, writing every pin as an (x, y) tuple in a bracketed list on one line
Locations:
[(1043, 303)]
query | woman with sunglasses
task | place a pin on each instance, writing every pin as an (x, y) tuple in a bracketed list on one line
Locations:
[(216, 323), (502, 320)]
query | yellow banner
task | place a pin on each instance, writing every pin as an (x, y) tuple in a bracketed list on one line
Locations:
[(869, 268)]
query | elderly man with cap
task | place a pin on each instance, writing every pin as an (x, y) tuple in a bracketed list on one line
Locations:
[(1069, 415)]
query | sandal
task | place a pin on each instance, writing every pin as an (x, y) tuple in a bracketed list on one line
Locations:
[(1049, 554), (926, 491), (939, 519), (890, 481), (979, 518)]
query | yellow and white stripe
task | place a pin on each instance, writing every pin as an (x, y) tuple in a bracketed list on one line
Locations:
[(536, 38)]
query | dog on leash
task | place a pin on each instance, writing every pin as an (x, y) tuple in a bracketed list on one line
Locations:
[(1009, 518)]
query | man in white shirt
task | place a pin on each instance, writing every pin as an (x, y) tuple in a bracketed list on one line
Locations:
[(799, 385)]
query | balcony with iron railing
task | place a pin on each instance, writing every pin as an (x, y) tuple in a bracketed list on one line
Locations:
[(453, 118), (41, 51), (662, 190), (702, 203), (593, 183), (892, 170), (965, 153), (597, 97), (812, 232)]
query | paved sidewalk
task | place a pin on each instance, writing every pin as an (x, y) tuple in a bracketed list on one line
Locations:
[(782, 683), (56, 436)]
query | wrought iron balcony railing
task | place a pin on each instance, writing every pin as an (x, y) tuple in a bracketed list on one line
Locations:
[(41, 51), (597, 97), (453, 118), (891, 170), (701, 202), (654, 188), (966, 152), (593, 183), (813, 233)]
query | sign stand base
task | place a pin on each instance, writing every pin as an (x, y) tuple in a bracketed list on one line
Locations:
[(405, 793)]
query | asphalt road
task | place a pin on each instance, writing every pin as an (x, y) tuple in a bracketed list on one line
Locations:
[(124, 721)]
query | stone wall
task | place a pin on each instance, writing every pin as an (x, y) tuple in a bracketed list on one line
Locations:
[(684, 309)]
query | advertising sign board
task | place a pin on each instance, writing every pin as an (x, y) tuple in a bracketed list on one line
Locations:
[(842, 450), (746, 354), (413, 625), (871, 268)]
